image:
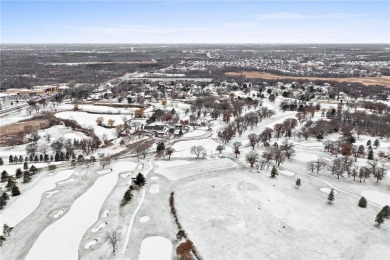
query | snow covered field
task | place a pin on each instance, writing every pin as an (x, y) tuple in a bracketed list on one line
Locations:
[(29, 201), (61, 239)]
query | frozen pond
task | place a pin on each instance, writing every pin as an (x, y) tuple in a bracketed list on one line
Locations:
[(61, 239), (29, 200), (156, 248), (377, 197)]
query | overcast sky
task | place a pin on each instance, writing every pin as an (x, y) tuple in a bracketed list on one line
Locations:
[(184, 21)]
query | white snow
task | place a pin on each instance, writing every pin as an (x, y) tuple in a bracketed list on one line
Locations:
[(104, 171), (305, 157), (377, 197), (155, 188), (61, 239), (59, 213), (96, 229), (125, 175), (29, 200), (154, 178), (287, 173), (66, 181), (90, 244), (51, 193), (144, 219), (105, 213), (156, 248), (327, 190), (176, 172)]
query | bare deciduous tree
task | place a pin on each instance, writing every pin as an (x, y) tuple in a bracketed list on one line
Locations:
[(113, 237), (198, 150)]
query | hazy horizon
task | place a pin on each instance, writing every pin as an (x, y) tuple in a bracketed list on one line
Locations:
[(195, 22)]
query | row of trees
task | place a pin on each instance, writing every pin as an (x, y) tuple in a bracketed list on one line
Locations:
[(345, 165)]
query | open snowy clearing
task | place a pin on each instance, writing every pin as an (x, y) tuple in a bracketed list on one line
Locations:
[(377, 197), (248, 210), (199, 167), (86, 120), (156, 248), (182, 148), (29, 200)]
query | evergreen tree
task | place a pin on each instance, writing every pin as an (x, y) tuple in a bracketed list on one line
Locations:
[(362, 202), (15, 191), (331, 196), (274, 172), (386, 211), (36, 159), (25, 166), (368, 143), (5, 196), (127, 197), (20, 159), (73, 156), (376, 143), (33, 169), (51, 158), (41, 157), (11, 183), (16, 159), (298, 182), (180, 132), (31, 158), (4, 176), (46, 158), (1, 161), (18, 173), (139, 180), (370, 155), (379, 218), (3, 202), (26, 176), (26, 159), (11, 159), (62, 156), (57, 157)]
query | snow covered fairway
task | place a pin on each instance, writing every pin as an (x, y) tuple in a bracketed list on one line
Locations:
[(61, 240), (184, 169), (29, 201), (252, 216)]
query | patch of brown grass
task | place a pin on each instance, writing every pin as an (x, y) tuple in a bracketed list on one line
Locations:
[(20, 128), (384, 80)]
